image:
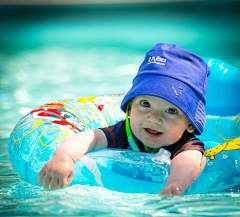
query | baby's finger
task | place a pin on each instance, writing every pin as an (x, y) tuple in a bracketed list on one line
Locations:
[(176, 191), (170, 191), (47, 180), (41, 174), (70, 178), (165, 193), (62, 182), (54, 183)]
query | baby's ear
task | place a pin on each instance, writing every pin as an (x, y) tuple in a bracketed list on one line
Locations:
[(130, 106), (190, 128), (129, 111)]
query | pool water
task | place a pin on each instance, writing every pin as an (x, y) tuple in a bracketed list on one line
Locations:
[(62, 55)]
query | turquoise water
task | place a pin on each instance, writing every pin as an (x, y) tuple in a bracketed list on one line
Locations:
[(53, 53)]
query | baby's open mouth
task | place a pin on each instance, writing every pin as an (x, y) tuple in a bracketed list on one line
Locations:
[(152, 133)]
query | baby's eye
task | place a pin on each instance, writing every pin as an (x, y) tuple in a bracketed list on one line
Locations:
[(171, 111), (145, 103)]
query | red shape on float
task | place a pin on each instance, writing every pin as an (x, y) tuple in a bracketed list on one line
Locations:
[(37, 110), (65, 123), (44, 114), (100, 107)]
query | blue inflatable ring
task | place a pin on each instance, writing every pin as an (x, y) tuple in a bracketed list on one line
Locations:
[(39, 133)]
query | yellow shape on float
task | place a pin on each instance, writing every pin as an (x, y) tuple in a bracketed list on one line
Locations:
[(226, 146), (85, 99), (36, 124)]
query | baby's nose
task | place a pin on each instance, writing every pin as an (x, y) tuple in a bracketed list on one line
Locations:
[(155, 118)]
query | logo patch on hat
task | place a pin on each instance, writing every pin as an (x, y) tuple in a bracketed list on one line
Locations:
[(158, 60)]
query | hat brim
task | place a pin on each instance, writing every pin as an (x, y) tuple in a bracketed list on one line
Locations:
[(172, 90)]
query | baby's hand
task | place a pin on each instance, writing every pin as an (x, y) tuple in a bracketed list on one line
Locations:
[(172, 189), (58, 172)]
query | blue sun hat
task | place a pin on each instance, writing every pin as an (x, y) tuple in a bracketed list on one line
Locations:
[(177, 76)]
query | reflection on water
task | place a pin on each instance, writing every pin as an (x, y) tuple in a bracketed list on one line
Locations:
[(32, 78)]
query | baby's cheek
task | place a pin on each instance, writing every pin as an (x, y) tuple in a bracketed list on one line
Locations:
[(133, 127), (174, 136)]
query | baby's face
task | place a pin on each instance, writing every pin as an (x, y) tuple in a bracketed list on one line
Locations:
[(156, 122)]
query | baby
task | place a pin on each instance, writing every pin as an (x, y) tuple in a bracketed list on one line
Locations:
[(166, 109)]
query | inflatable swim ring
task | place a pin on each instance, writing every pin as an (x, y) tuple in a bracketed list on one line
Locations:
[(37, 135)]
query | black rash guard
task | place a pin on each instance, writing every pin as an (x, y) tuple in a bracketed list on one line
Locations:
[(117, 138)]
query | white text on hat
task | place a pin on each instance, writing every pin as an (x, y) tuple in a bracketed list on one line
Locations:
[(158, 60)]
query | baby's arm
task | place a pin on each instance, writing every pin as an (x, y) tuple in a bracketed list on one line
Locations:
[(184, 169), (59, 170)]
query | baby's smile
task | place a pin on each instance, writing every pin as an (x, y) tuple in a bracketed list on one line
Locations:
[(153, 133)]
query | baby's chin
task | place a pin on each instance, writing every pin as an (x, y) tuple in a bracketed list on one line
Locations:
[(153, 145), (159, 142)]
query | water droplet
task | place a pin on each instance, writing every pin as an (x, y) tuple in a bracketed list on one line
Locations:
[(180, 89), (174, 90)]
